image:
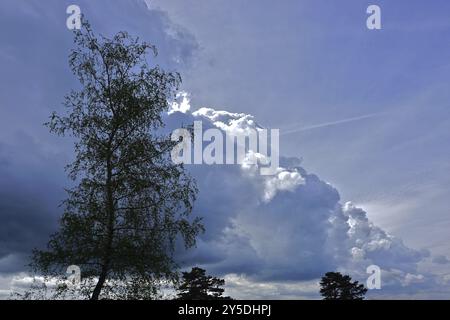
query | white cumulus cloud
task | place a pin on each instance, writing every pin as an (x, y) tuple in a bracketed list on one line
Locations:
[(288, 227)]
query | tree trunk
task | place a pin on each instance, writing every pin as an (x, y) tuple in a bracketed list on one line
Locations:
[(99, 285), (110, 232)]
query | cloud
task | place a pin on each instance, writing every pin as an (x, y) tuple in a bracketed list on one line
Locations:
[(240, 287), (232, 123), (181, 103), (290, 227), (34, 78), (440, 259)]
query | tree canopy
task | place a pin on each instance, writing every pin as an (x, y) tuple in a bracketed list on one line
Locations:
[(196, 285), (335, 286), (130, 203)]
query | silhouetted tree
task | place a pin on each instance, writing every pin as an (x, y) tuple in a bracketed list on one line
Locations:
[(335, 286), (196, 285), (130, 201)]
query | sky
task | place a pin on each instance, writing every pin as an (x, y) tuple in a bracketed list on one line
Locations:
[(363, 117)]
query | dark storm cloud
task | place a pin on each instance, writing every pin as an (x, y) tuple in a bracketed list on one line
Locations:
[(34, 79), (30, 191)]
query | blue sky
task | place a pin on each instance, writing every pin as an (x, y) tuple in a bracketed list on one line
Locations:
[(367, 111)]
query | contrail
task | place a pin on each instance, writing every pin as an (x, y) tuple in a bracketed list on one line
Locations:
[(332, 123)]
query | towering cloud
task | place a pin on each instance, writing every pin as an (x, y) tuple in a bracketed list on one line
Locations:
[(288, 227)]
